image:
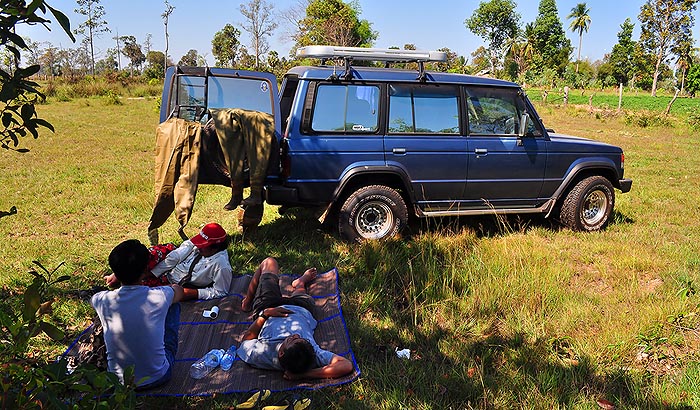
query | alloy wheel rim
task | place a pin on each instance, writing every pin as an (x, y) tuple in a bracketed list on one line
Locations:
[(595, 207), (374, 220)]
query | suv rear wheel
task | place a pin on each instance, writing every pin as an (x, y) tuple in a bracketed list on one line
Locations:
[(588, 206), (372, 212)]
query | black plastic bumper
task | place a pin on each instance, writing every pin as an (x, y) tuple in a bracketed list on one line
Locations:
[(625, 185), (281, 195)]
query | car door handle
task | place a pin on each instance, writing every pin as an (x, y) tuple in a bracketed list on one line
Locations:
[(481, 151), (399, 150)]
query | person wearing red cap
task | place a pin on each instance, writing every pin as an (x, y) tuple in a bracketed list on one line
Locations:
[(200, 265)]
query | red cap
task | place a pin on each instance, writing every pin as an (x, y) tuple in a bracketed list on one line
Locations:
[(210, 234)]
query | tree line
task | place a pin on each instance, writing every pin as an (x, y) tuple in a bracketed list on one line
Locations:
[(533, 53)]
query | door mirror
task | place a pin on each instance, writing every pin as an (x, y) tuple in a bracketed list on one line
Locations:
[(524, 120)]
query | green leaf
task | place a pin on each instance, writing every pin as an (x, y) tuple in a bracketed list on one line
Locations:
[(32, 300), (14, 51), (62, 278), (27, 112), (6, 320), (15, 38), (37, 263), (31, 70), (52, 331), (58, 369), (63, 21), (44, 123), (81, 387), (31, 127)]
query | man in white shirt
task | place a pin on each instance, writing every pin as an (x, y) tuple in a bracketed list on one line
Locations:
[(200, 265)]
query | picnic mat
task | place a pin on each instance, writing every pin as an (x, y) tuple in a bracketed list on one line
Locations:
[(199, 334)]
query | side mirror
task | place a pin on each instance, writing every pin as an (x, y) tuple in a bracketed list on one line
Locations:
[(524, 119)]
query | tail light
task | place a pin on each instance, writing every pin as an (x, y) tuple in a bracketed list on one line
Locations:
[(622, 160), (285, 160)]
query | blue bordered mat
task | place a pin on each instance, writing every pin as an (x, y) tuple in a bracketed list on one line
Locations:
[(199, 334)]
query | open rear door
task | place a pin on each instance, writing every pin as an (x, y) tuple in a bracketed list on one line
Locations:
[(190, 92)]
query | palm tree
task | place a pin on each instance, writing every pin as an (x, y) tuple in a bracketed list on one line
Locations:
[(581, 21), (521, 48)]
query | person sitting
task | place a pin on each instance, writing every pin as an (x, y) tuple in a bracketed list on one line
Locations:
[(200, 265), (282, 335), (140, 323)]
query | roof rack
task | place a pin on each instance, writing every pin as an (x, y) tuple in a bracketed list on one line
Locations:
[(388, 55), (371, 54)]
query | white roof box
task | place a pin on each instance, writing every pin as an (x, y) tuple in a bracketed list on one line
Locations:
[(370, 54)]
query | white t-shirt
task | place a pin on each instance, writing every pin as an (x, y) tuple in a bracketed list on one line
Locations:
[(215, 268), (133, 319)]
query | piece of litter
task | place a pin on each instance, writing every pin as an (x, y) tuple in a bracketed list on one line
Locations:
[(213, 313), (403, 353)]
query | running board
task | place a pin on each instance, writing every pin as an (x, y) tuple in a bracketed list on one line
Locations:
[(545, 208)]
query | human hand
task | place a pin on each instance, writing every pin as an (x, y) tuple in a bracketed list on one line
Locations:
[(277, 312), (246, 305), (111, 280), (287, 375)]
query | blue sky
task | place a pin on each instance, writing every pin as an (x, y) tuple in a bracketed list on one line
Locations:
[(428, 25)]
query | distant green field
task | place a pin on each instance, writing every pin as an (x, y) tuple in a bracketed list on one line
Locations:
[(635, 101)]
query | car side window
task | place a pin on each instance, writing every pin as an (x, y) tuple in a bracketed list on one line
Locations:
[(425, 109), (346, 108), (496, 111)]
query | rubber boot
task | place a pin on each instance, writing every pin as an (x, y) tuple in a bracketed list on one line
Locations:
[(254, 199), (236, 197)]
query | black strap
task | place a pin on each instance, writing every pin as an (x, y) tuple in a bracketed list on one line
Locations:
[(187, 277)]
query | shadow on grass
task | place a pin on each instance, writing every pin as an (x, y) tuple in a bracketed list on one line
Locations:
[(455, 365), (485, 226), (297, 240), (452, 365), (494, 372)]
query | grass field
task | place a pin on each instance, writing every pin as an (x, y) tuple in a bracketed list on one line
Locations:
[(631, 100), (497, 312)]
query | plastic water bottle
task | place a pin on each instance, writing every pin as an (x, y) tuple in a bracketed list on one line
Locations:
[(206, 364), (228, 358), (213, 358)]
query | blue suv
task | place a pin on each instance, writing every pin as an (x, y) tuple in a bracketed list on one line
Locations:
[(370, 147)]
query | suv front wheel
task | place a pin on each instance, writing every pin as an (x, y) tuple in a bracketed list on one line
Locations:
[(372, 212), (588, 206)]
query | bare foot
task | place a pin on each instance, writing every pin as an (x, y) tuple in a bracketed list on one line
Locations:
[(245, 304), (307, 277)]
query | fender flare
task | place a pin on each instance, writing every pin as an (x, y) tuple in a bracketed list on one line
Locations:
[(585, 164), (360, 169)]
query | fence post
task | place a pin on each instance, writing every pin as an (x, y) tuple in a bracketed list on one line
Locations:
[(619, 100), (566, 95)]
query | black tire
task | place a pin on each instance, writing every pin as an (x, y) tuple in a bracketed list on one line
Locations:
[(588, 206), (373, 212)]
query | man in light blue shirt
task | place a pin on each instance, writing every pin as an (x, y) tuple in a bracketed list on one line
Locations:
[(282, 335), (140, 323)]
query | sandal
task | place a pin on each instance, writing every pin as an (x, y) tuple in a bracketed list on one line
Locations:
[(296, 403), (254, 400)]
